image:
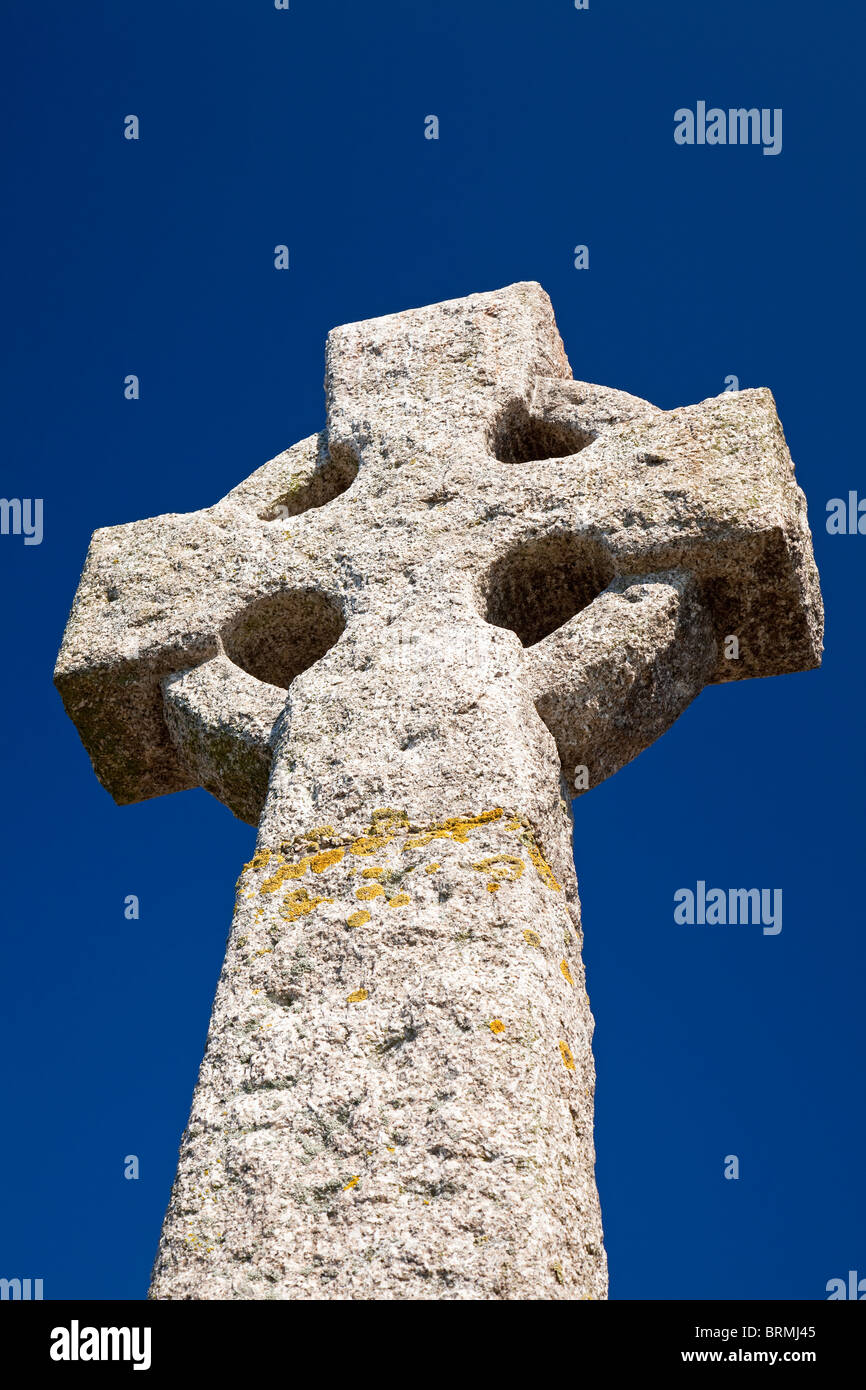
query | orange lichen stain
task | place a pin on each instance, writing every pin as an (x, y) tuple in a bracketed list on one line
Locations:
[(298, 903), (532, 937), (357, 998), (567, 1058), (353, 1182), (358, 919), (563, 965), (370, 890), (373, 873), (322, 861), (390, 1149), (399, 900), (496, 1025), (431, 868)]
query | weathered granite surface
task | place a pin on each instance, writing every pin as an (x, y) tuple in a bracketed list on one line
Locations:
[(393, 648)]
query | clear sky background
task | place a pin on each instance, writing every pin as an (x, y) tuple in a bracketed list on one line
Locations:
[(306, 127)]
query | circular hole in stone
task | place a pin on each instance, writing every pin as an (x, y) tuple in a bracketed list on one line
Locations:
[(278, 637), (331, 475), (519, 437), (542, 583)]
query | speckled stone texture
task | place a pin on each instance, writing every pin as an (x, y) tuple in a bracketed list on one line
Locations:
[(400, 648)]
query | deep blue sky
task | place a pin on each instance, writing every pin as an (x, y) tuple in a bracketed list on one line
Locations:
[(260, 127)]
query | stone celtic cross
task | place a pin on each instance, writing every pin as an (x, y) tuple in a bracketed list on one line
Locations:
[(400, 648)]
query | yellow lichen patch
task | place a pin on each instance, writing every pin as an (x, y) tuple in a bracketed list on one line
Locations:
[(423, 837), (399, 900), (353, 1182), (496, 1025), (502, 868), (298, 903), (459, 826), (431, 868), (563, 965), (358, 919), (373, 873), (318, 862), (527, 836), (384, 824), (288, 871), (318, 832), (369, 844), (369, 890), (567, 1058), (532, 937), (322, 861), (542, 868), (493, 887), (357, 998), (260, 859), (387, 816), (455, 828)]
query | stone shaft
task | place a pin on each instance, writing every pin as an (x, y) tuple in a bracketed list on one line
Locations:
[(396, 1098)]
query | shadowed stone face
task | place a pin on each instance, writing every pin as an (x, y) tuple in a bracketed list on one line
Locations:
[(391, 648)]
